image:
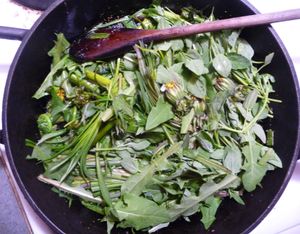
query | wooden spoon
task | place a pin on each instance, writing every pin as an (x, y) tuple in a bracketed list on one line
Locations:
[(116, 40)]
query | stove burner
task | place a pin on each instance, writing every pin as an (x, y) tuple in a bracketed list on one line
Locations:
[(36, 4)]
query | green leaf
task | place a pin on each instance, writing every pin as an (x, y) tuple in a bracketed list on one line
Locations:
[(139, 213), (186, 121), (238, 62), (205, 141), (120, 104), (41, 152), (196, 86), (47, 83), (233, 159), (209, 210), (268, 59), (140, 145), (271, 157), (259, 132), (232, 39), (177, 45), (253, 176), (57, 105), (206, 190), (245, 49), (136, 183), (164, 46), (250, 99), (236, 196), (159, 114), (128, 163), (196, 66), (222, 65), (60, 48), (165, 75), (253, 171), (51, 135)]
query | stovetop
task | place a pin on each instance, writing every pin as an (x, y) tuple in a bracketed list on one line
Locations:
[(284, 217)]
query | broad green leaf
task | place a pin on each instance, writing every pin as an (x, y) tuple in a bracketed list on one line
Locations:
[(218, 154), (238, 61), (41, 152), (232, 39), (165, 75), (196, 86), (250, 99), (233, 159), (164, 46), (253, 176), (253, 171), (245, 49), (271, 157), (252, 151), (196, 66), (159, 114), (209, 210), (222, 65), (177, 67), (163, 23), (177, 44), (259, 132), (139, 213)]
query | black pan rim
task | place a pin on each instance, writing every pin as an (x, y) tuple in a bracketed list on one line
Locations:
[(16, 175), (297, 146), (27, 194)]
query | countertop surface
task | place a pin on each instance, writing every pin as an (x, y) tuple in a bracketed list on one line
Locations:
[(284, 217)]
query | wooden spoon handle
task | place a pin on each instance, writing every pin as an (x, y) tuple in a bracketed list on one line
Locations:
[(231, 23)]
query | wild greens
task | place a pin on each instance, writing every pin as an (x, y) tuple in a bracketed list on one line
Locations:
[(163, 132)]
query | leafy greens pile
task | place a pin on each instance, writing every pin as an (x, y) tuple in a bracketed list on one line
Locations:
[(164, 132)]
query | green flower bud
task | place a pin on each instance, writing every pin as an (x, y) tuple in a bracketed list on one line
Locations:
[(199, 106), (224, 84), (44, 123), (174, 91)]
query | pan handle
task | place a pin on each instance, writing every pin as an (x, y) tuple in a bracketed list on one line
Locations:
[(12, 33)]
